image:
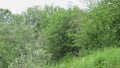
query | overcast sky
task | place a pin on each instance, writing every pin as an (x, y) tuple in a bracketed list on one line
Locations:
[(17, 6)]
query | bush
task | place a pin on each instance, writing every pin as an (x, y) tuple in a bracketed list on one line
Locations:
[(60, 32), (100, 26)]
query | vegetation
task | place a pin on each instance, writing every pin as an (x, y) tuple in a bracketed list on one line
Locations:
[(55, 37), (107, 58)]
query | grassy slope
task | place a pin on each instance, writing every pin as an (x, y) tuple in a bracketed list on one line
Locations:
[(107, 58)]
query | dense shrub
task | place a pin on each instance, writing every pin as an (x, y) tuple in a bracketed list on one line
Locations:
[(60, 32), (100, 26)]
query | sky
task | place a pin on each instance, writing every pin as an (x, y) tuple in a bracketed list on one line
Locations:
[(18, 6)]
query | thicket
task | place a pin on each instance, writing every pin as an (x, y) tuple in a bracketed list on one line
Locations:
[(101, 26), (40, 36)]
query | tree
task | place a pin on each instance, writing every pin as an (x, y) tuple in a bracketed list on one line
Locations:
[(5, 16), (60, 33), (101, 28), (14, 35)]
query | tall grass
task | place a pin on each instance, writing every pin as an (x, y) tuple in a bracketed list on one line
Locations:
[(105, 58)]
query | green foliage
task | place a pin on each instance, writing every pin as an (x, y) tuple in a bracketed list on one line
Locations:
[(13, 40), (60, 32), (17, 41), (101, 27), (38, 36), (104, 58), (5, 15)]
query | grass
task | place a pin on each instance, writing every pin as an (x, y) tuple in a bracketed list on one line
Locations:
[(106, 58)]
